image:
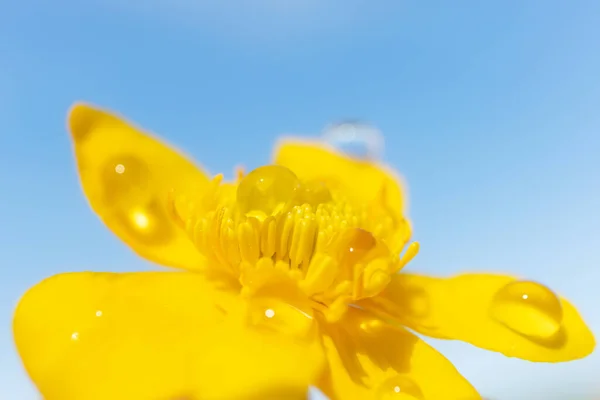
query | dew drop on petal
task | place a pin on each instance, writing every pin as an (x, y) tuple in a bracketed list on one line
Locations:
[(399, 387), (127, 191), (315, 192), (149, 223), (274, 315), (528, 308), (267, 190), (356, 139), (125, 180)]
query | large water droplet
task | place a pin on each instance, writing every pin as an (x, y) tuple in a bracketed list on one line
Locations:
[(125, 179), (356, 139), (267, 190), (528, 308), (399, 387)]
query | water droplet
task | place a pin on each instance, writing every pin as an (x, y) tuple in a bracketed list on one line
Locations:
[(149, 223), (356, 139), (125, 179), (315, 193), (267, 190), (275, 315), (528, 308), (75, 336), (358, 245), (399, 387), (98, 313)]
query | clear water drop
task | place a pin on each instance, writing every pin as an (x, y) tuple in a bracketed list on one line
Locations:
[(399, 387), (528, 308), (315, 192), (149, 223), (356, 139), (267, 190), (126, 180), (275, 315), (357, 245)]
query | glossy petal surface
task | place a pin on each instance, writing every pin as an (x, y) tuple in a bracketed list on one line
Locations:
[(128, 176), (369, 359), (152, 336), (462, 308)]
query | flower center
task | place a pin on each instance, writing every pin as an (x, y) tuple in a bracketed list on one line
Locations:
[(275, 231)]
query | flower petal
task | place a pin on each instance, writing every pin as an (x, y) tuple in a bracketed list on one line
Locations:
[(156, 335), (127, 176), (369, 359), (461, 308), (362, 181)]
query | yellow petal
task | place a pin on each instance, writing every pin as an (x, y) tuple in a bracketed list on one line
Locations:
[(499, 313), (363, 182), (127, 176), (369, 359), (156, 335)]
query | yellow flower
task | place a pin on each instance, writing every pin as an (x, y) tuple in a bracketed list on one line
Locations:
[(291, 279)]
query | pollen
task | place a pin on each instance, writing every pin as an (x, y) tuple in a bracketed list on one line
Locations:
[(334, 250)]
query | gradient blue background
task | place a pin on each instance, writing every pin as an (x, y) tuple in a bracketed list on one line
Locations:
[(490, 110)]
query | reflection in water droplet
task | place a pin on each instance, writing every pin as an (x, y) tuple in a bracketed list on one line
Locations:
[(358, 245), (356, 139), (148, 223), (98, 313), (128, 192), (275, 315), (315, 192), (267, 190), (75, 336), (125, 179), (399, 388), (528, 308)]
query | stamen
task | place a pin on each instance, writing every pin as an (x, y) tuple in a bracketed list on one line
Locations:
[(335, 252)]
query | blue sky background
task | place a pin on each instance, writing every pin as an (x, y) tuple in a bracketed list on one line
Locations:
[(490, 110)]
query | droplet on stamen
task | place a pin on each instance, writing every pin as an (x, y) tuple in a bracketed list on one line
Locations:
[(358, 245), (315, 192), (267, 190), (528, 308)]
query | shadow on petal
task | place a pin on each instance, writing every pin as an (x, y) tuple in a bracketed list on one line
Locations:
[(369, 358)]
